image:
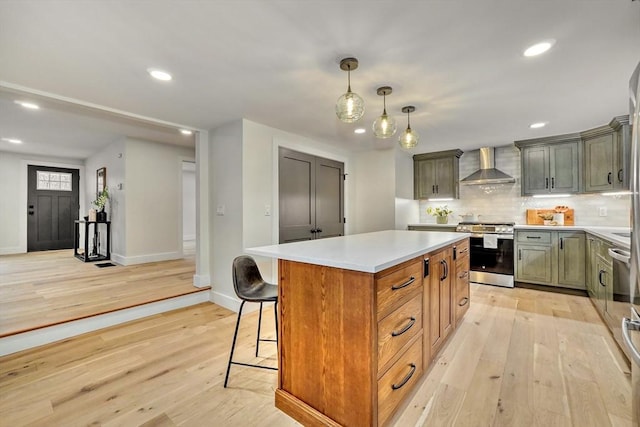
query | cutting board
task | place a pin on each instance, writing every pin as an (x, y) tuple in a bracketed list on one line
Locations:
[(534, 219)]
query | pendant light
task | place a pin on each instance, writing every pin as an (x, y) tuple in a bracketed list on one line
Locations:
[(350, 106), (384, 126), (409, 137)]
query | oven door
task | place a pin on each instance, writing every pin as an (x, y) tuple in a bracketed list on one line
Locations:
[(492, 260)]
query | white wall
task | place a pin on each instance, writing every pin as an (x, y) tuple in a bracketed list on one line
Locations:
[(113, 158), (226, 227), (406, 209), (153, 208), (503, 201), (375, 191), (13, 190), (188, 201)]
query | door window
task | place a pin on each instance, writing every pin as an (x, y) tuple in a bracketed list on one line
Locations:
[(57, 181)]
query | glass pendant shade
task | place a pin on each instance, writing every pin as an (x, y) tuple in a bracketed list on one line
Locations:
[(384, 126), (350, 106), (408, 138)]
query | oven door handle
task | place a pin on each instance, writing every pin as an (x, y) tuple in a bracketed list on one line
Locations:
[(500, 236), (628, 324)]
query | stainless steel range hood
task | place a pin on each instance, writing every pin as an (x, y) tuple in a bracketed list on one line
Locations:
[(488, 174)]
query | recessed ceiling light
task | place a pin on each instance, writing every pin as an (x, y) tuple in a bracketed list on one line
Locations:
[(537, 125), (539, 48), (360, 130), (29, 105), (159, 74), (12, 140), (186, 131)]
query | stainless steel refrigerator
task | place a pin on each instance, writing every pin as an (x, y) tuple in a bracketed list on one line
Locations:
[(631, 326)]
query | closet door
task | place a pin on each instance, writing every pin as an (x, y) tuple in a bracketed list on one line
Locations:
[(311, 192), (329, 198), (297, 183)]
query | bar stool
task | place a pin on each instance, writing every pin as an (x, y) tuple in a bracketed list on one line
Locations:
[(251, 287)]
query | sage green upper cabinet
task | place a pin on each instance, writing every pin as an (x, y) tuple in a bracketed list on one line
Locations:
[(607, 156), (435, 175), (550, 165)]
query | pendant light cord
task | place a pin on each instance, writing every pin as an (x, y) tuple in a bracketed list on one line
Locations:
[(349, 78)]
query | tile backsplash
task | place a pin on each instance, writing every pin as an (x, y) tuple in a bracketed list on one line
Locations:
[(503, 202)]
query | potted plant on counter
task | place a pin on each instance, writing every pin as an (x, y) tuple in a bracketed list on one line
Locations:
[(441, 213)]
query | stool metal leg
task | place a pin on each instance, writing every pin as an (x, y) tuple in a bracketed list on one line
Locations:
[(233, 344), (258, 334)]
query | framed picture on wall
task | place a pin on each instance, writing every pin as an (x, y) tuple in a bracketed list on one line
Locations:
[(101, 180)]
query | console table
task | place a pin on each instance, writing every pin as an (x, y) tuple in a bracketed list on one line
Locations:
[(95, 253)]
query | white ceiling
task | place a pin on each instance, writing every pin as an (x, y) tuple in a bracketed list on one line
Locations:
[(276, 63)]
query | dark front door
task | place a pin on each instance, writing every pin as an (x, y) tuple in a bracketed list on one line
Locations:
[(52, 207), (311, 192)]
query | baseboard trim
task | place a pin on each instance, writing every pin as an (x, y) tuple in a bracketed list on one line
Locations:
[(142, 259), (233, 304), (35, 338), (12, 250), (201, 280)]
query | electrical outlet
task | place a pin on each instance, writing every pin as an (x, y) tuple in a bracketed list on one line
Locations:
[(602, 211), (220, 210), (267, 210)]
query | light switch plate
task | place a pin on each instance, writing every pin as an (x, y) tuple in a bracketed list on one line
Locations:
[(267, 210), (220, 210), (602, 211)]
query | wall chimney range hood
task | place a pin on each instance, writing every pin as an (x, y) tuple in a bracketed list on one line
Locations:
[(488, 174)]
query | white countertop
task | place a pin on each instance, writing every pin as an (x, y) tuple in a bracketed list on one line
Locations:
[(607, 233), (433, 224), (367, 252)]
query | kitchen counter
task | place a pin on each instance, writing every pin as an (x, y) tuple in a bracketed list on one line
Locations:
[(606, 233), (367, 252)]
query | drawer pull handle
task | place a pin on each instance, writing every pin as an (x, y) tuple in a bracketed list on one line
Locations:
[(463, 302), (412, 321), (533, 237), (464, 250), (405, 379), (403, 285), (463, 274)]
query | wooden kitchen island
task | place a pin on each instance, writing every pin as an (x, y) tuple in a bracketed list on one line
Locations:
[(361, 317)]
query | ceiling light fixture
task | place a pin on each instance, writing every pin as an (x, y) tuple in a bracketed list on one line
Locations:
[(12, 140), (409, 137), (539, 48), (537, 125), (29, 105), (350, 106), (384, 126), (159, 74), (359, 130), (186, 132)]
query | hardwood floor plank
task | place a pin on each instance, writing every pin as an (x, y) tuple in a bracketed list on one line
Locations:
[(529, 367)]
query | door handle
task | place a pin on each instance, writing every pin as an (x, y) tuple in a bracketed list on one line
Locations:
[(318, 230), (546, 183), (620, 175), (437, 191), (562, 243), (433, 189), (553, 182), (600, 273), (519, 254), (31, 212), (609, 178)]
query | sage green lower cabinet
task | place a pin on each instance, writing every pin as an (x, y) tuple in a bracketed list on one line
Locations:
[(601, 272), (571, 259), (551, 258), (590, 266), (534, 263)]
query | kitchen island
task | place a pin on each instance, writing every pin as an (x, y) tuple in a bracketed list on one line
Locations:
[(361, 318)]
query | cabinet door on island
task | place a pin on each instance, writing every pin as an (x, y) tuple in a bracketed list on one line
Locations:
[(441, 316)]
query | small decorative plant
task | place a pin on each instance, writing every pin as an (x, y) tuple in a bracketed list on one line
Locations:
[(101, 201), (441, 213)]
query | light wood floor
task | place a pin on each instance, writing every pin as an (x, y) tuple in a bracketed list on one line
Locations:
[(46, 288), (521, 358)]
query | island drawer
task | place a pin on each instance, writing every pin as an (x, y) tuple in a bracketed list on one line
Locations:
[(537, 237), (461, 294), (461, 250), (397, 329), (398, 381), (394, 287)]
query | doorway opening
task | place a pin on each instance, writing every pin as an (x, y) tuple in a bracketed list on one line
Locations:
[(188, 209)]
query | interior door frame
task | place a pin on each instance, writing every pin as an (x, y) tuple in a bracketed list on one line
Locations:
[(24, 169), (301, 147)]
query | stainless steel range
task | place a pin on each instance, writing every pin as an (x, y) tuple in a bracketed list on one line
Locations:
[(491, 252)]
